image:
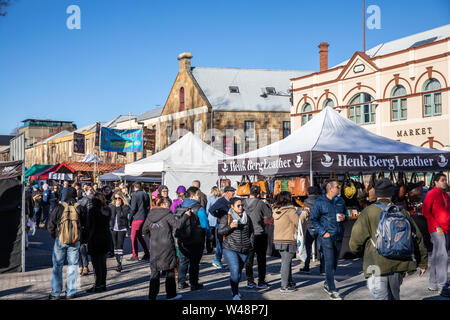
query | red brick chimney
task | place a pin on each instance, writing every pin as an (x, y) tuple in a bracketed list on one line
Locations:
[(323, 52)]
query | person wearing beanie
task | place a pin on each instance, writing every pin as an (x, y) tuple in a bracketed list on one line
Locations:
[(385, 283), (181, 190), (311, 234)]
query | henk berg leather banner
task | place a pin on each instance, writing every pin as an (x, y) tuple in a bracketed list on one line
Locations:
[(268, 166), (366, 162)]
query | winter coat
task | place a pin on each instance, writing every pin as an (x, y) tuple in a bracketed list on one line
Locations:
[(122, 216), (220, 208), (309, 202), (212, 220), (323, 217), (257, 210), (175, 203), (203, 199), (285, 221), (202, 217), (37, 198), (365, 228), (86, 202), (239, 239), (99, 234), (55, 219), (159, 227), (140, 205), (436, 209)]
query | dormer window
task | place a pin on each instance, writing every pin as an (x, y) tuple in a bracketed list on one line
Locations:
[(234, 89), (270, 90)]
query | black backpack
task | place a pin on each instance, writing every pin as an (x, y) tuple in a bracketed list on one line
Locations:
[(191, 232)]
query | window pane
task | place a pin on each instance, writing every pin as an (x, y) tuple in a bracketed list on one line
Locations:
[(358, 114), (403, 109), (306, 108), (437, 103), (432, 84), (394, 110), (426, 105)]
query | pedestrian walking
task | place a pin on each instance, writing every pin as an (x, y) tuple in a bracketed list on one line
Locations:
[(285, 221), (203, 198), (218, 210), (436, 209), (191, 246), (45, 203), (159, 228), (213, 221), (37, 204), (118, 224), (385, 275), (258, 211), (181, 190), (328, 222), (311, 234), (64, 190), (237, 229), (68, 236), (86, 203), (99, 239), (140, 206)]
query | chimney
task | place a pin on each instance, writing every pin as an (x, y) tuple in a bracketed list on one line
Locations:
[(323, 53), (185, 61)]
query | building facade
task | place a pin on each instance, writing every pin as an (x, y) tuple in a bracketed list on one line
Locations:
[(397, 89), (37, 129)]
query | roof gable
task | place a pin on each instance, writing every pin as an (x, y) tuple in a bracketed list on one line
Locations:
[(359, 64)]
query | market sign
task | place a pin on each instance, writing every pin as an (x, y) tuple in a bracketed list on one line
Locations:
[(78, 143), (149, 139), (116, 140)]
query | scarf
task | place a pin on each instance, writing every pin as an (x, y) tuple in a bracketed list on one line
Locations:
[(242, 219)]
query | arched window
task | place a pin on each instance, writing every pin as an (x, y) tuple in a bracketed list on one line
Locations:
[(432, 103), (398, 103), (328, 103), (305, 115), (361, 110), (181, 99)]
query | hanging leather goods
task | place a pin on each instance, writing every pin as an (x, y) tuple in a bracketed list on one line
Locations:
[(243, 187), (349, 187)]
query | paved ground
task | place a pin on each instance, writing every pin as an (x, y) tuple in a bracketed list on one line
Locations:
[(132, 283)]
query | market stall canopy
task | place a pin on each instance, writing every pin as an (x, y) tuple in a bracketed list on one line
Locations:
[(35, 169), (187, 159), (74, 166), (332, 143), (112, 176), (44, 175)]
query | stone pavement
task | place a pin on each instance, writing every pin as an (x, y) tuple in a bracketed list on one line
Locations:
[(132, 282)]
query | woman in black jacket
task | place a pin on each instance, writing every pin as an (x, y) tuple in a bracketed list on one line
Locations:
[(118, 224), (158, 227), (237, 228), (99, 239)]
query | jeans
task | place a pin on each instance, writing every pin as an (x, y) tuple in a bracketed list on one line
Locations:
[(219, 244), (311, 236), (136, 235), (330, 249), (189, 258), (439, 261), (171, 288), (385, 287), (60, 252), (235, 261), (84, 260), (37, 215), (45, 213), (259, 248), (100, 270), (286, 268)]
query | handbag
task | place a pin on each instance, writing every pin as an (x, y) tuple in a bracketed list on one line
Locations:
[(401, 185), (300, 252), (243, 188), (277, 187), (349, 189), (291, 186), (264, 186), (414, 189), (284, 185), (371, 188), (224, 183), (301, 185)]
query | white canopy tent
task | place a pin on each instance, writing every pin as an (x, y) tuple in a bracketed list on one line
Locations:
[(332, 143), (187, 159)]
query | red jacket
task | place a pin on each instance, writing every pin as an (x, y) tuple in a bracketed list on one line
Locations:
[(436, 209)]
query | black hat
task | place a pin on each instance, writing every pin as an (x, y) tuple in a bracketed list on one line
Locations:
[(384, 188), (313, 190), (229, 188)]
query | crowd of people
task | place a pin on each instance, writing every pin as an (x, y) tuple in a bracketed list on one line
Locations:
[(89, 221)]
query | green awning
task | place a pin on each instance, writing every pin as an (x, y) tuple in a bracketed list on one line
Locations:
[(35, 169)]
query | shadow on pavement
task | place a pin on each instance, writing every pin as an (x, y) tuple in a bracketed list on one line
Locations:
[(17, 290)]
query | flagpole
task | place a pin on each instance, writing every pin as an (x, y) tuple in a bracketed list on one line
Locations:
[(364, 26)]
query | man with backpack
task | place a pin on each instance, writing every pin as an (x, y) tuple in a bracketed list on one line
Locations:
[(191, 239), (66, 225), (386, 259)]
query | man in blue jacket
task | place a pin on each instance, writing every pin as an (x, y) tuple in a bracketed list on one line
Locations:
[(327, 216), (191, 250)]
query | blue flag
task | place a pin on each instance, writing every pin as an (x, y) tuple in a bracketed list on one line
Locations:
[(116, 140)]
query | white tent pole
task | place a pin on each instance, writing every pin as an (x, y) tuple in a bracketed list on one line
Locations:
[(310, 169)]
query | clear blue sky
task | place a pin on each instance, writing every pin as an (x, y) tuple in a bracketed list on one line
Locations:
[(124, 58)]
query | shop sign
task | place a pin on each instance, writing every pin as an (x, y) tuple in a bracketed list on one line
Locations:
[(413, 132)]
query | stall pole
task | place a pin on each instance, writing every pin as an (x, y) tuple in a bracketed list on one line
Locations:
[(23, 217), (311, 182)]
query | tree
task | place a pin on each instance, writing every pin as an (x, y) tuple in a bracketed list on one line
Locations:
[(3, 5)]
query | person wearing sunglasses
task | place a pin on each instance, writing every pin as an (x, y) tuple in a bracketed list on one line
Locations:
[(237, 229), (118, 224)]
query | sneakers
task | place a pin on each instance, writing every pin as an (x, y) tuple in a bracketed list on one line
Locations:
[(198, 286), (96, 289), (182, 286), (133, 259), (237, 297), (50, 297), (177, 297), (119, 268), (288, 289), (73, 296), (218, 265), (262, 285), (304, 270), (433, 289), (251, 285), (335, 296), (325, 287)]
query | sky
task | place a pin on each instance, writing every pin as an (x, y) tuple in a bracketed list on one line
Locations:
[(123, 59)]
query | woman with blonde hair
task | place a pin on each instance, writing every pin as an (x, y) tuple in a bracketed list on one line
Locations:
[(118, 224), (215, 195)]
